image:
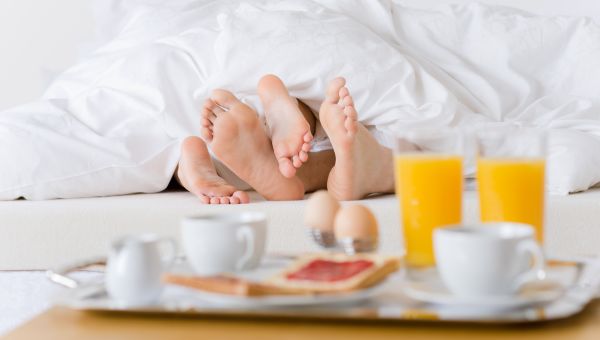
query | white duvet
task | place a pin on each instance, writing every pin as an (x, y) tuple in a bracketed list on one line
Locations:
[(112, 124)]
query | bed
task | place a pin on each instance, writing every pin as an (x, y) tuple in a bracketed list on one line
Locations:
[(41, 235)]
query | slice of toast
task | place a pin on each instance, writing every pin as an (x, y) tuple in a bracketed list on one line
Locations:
[(335, 273), (347, 272)]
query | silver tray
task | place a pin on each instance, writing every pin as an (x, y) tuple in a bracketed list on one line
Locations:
[(581, 277)]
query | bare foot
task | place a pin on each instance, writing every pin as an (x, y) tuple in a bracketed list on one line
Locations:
[(362, 165), (196, 172), (209, 113), (290, 131), (238, 139)]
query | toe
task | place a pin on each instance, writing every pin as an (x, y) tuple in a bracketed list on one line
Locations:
[(205, 114), (224, 200), (306, 147), (211, 118), (204, 199), (206, 134), (303, 156), (333, 90), (350, 126), (215, 200), (209, 107), (350, 112), (281, 151), (220, 191), (344, 92), (209, 115), (224, 98), (234, 200), (348, 101), (308, 137), (350, 123), (242, 196), (218, 110), (286, 167), (210, 110), (296, 161), (209, 104)]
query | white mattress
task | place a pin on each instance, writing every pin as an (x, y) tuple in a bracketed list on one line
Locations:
[(40, 235)]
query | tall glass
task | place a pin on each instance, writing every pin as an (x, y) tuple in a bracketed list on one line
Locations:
[(511, 176), (429, 185)]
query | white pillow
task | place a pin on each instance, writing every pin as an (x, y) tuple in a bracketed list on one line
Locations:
[(573, 161)]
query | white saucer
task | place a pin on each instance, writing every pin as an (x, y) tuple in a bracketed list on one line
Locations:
[(433, 291)]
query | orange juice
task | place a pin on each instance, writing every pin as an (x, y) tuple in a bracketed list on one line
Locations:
[(512, 190), (429, 188)]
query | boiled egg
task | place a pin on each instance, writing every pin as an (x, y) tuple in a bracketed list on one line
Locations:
[(356, 222), (321, 210)]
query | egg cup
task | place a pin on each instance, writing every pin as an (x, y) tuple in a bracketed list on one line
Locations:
[(352, 246), (325, 239)]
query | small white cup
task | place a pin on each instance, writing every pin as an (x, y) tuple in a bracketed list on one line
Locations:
[(135, 266), (224, 243), (490, 259)]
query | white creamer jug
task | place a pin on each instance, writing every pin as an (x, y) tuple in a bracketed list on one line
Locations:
[(134, 268)]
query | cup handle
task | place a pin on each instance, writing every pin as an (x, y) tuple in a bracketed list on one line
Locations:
[(537, 271), (171, 253), (246, 235)]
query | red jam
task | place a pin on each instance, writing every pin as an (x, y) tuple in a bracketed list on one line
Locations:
[(330, 271)]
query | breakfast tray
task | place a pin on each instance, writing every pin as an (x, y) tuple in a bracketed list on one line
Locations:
[(389, 303)]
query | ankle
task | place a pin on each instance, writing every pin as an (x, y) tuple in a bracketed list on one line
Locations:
[(386, 182)]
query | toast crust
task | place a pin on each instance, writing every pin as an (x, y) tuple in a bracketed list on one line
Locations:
[(229, 285)]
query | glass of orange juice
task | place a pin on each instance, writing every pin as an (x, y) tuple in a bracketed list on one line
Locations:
[(429, 184), (511, 166)]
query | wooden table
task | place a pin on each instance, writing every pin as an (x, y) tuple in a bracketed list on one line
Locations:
[(61, 323)]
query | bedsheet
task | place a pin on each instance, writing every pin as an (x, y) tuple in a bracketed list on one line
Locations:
[(113, 123), (46, 234)]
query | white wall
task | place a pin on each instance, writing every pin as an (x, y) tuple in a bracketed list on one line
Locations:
[(38, 38)]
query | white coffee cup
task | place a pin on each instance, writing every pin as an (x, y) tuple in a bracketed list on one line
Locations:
[(490, 259), (134, 268), (224, 243)]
